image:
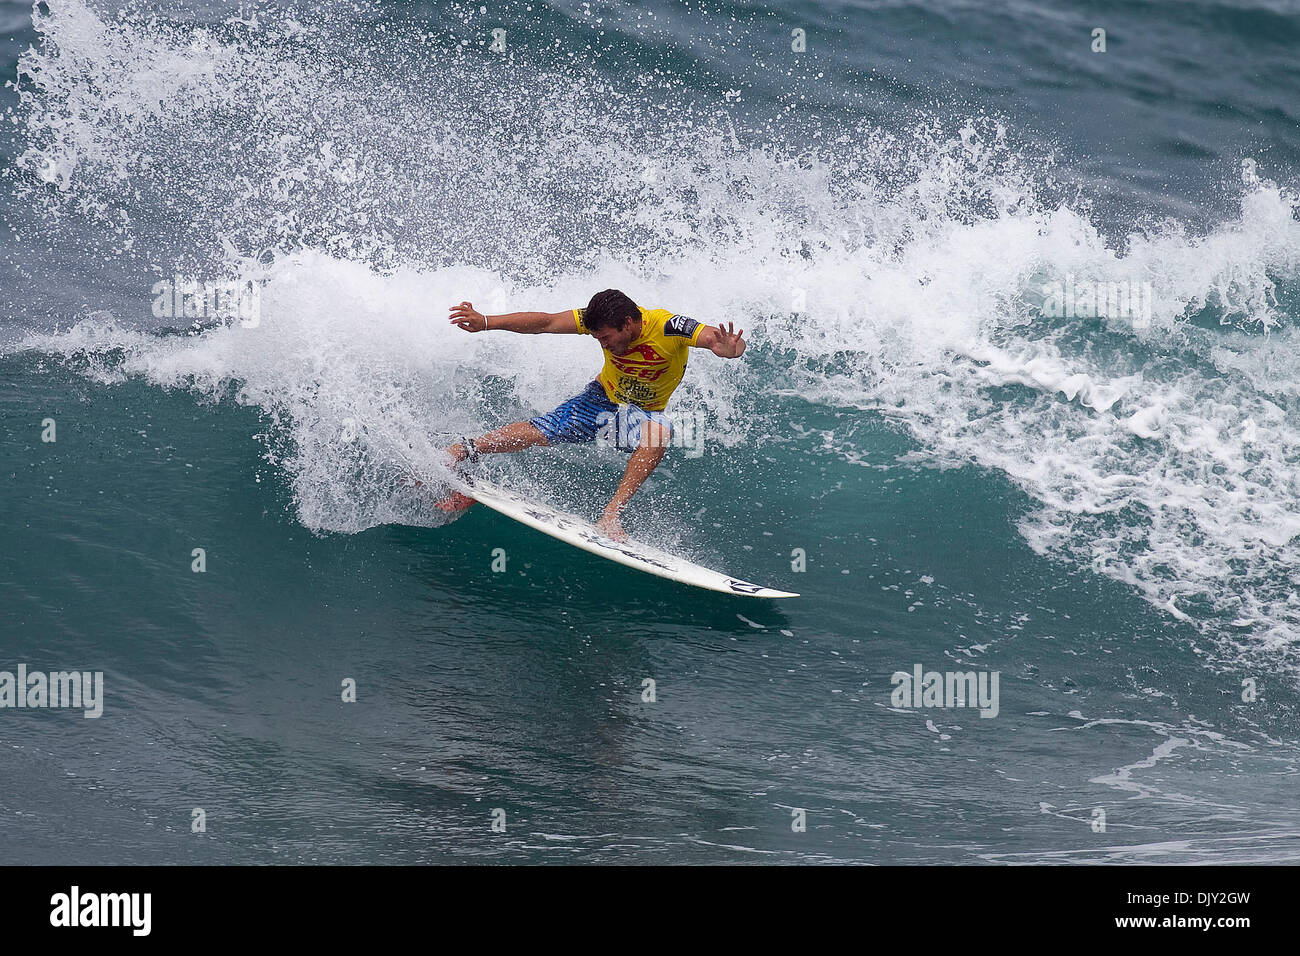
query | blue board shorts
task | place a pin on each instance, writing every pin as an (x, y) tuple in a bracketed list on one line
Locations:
[(591, 415)]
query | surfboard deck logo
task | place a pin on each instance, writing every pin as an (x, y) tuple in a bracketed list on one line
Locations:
[(632, 554)]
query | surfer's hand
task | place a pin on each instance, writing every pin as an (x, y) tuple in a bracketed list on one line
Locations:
[(608, 526), (727, 343), (464, 316)]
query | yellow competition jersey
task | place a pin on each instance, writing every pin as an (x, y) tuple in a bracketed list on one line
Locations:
[(647, 373)]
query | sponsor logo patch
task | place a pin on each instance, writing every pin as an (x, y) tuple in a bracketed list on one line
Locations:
[(682, 325)]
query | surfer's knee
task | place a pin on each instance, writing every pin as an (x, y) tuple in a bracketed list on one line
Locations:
[(656, 434), (533, 434)]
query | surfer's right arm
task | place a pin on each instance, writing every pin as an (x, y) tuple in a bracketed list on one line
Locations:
[(527, 323)]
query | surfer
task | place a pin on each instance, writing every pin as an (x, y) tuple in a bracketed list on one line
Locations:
[(645, 359)]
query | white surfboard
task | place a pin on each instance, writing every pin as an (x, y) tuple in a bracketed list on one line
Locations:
[(582, 534)]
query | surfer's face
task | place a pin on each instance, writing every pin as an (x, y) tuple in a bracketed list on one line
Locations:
[(619, 340)]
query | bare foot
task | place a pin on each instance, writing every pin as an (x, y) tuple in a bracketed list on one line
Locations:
[(454, 503), (610, 528)]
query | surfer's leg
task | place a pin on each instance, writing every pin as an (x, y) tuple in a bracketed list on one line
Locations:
[(575, 420), (513, 437), (508, 438), (640, 428), (653, 438), (578, 420)]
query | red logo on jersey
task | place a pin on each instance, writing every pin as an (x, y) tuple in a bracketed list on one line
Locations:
[(646, 351)]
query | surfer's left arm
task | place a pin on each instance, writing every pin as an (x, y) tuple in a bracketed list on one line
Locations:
[(725, 343)]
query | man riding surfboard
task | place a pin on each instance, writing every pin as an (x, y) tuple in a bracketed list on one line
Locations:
[(645, 358)]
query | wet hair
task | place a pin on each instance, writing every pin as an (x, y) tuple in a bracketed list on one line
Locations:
[(609, 310)]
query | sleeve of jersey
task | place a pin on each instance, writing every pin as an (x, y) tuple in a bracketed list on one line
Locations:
[(683, 326), (577, 318)]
